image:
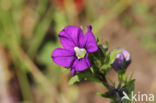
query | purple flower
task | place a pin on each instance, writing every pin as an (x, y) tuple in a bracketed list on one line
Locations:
[(76, 46), (122, 60)]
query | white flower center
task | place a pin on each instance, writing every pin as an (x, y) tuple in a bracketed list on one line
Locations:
[(80, 52)]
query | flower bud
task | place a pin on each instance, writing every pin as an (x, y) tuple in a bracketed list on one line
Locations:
[(122, 60)]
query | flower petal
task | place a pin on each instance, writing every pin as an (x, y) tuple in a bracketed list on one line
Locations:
[(118, 63), (70, 37), (81, 64), (72, 71), (63, 57), (126, 54), (89, 41)]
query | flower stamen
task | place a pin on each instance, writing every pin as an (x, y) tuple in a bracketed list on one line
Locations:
[(80, 52)]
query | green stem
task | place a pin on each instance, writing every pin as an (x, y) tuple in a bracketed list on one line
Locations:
[(121, 77), (103, 79), (24, 84), (40, 33)]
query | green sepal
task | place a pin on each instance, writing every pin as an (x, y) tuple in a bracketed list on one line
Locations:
[(83, 75)]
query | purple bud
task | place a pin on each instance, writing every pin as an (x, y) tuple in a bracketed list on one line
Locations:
[(122, 60)]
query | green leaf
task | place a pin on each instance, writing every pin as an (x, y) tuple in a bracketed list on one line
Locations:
[(105, 67), (98, 41), (102, 95), (112, 55), (109, 60), (84, 75), (130, 86), (131, 76), (45, 54), (74, 79)]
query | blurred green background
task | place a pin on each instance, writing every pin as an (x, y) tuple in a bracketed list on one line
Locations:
[(29, 33)]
